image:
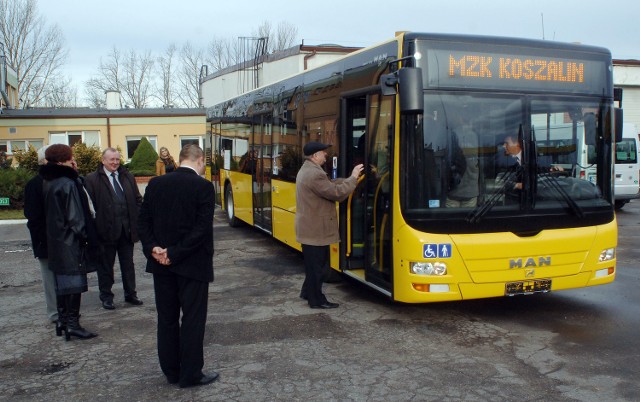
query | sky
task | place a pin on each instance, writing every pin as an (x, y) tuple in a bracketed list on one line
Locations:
[(92, 28)]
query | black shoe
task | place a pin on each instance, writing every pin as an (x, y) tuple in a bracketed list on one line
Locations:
[(325, 305), (206, 379), (303, 296), (173, 380), (108, 305), (133, 300)]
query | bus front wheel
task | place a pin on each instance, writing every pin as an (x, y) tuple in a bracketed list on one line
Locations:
[(620, 203), (231, 211)]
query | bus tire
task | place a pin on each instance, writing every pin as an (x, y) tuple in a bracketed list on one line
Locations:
[(619, 204), (230, 208)]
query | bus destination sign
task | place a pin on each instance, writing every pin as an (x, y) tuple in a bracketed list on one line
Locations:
[(520, 72), (508, 68)]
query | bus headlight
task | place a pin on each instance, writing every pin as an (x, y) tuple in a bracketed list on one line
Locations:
[(428, 268), (607, 255)]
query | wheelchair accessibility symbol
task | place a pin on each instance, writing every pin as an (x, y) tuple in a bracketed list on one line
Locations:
[(434, 250)]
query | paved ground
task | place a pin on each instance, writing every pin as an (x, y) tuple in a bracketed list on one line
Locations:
[(268, 345), (262, 339)]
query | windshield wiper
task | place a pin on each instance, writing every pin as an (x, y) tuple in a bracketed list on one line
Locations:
[(552, 181), (481, 210)]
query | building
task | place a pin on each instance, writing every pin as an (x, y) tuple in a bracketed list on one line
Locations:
[(124, 128), (626, 75), (266, 69), (9, 81)]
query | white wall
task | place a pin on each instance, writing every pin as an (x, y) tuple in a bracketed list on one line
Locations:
[(230, 85), (628, 78)]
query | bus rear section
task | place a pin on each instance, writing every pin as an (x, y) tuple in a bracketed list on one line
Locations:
[(627, 175)]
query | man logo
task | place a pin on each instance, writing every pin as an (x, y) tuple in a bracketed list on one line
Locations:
[(529, 262), (529, 273)]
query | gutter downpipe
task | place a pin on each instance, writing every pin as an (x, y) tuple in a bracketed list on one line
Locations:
[(308, 56), (108, 132)]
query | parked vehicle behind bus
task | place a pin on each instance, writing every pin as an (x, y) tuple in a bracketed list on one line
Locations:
[(627, 175)]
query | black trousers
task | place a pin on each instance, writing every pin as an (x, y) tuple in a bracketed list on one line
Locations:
[(316, 269), (124, 248), (180, 346)]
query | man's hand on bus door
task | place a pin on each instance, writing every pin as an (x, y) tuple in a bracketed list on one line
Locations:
[(357, 170), (160, 255)]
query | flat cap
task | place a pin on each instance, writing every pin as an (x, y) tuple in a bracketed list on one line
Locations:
[(312, 147)]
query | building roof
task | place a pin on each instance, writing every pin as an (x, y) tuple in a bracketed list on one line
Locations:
[(64, 113), (631, 62), (283, 54)]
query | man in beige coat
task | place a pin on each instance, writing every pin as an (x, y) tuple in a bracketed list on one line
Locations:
[(316, 221)]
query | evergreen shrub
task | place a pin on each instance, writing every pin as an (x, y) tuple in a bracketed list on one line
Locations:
[(12, 182), (143, 161), (87, 158), (27, 159)]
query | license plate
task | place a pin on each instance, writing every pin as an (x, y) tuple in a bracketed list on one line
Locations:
[(527, 287)]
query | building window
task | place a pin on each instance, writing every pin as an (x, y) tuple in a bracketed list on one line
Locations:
[(133, 142), (9, 146), (193, 139), (71, 138)]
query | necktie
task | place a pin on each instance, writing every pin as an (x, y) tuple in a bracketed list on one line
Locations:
[(116, 186)]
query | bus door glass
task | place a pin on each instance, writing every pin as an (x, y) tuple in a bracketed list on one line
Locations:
[(368, 133), (261, 174), (354, 139), (379, 184)]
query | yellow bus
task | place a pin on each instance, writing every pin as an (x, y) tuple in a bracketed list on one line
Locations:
[(445, 209)]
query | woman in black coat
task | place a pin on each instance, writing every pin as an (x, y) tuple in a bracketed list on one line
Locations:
[(68, 229)]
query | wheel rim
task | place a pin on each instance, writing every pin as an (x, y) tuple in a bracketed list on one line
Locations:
[(230, 212)]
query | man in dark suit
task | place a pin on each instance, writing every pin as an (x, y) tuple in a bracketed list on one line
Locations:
[(116, 198), (176, 230)]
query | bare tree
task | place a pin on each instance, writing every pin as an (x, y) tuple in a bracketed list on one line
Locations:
[(222, 53), (107, 79), (284, 36), (166, 91), (34, 49), (188, 78), (61, 93), (138, 70), (131, 75)]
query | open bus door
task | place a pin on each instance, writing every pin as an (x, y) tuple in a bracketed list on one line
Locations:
[(366, 232), (261, 174)]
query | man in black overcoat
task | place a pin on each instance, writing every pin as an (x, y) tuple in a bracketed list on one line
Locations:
[(176, 230)]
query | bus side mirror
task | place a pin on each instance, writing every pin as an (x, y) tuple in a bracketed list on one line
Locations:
[(589, 129), (409, 85), (618, 124)]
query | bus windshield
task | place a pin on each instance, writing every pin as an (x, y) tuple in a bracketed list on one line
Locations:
[(473, 162)]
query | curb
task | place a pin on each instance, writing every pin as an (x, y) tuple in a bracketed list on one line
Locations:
[(13, 221)]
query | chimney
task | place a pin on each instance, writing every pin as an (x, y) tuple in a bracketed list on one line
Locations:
[(113, 100)]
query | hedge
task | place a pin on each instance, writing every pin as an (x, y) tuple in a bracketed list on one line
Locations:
[(12, 182)]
